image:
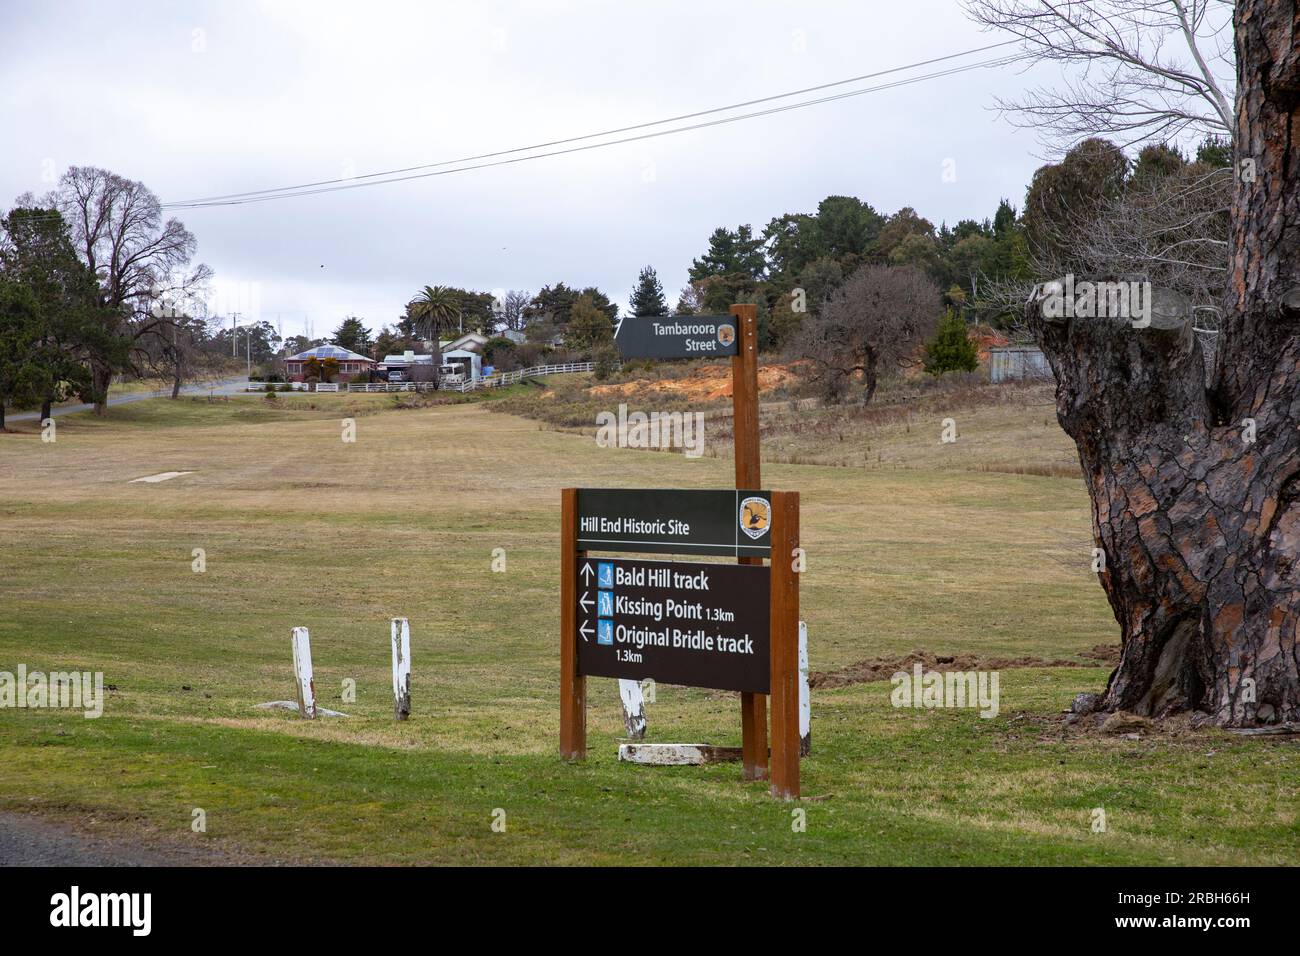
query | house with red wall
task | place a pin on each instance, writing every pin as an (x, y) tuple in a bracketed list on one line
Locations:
[(350, 363)]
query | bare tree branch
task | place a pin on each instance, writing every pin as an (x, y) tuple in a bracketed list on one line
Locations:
[(1129, 83)]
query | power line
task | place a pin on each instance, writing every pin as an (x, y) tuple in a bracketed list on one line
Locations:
[(374, 179)]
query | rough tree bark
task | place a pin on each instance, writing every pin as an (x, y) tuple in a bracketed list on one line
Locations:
[(1199, 525), (101, 377)]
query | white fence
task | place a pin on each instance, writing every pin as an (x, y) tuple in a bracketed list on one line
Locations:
[(344, 387), (537, 371), (491, 381), (261, 386), (397, 387)]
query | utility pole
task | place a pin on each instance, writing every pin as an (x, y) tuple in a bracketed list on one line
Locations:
[(234, 333)]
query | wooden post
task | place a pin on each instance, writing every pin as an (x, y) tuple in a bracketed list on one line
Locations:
[(401, 668), (634, 719), (302, 673), (573, 686), (744, 405), (785, 646)]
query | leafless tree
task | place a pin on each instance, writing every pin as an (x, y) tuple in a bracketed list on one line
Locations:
[(1171, 231), (874, 321), (512, 308), (1143, 69), (178, 352), (691, 299), (117, 227)]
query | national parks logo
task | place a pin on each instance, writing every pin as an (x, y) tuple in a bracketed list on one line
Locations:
[(726, 334), (755, 516)]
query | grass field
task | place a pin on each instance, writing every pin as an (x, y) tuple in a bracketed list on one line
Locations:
[(300, 528)]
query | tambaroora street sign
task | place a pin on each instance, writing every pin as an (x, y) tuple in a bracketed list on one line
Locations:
[(707, 625), (734, 524), (701, 625), (676, 336)]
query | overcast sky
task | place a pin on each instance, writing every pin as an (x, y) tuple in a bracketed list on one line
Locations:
[(196, 99)]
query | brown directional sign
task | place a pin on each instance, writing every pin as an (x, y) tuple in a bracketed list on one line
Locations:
[(676, 336), (702, 625), (730, 627), (735, 524)]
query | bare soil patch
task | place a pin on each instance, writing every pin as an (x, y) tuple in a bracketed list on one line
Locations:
[(882, 668), (1104, 654), (704, 384)]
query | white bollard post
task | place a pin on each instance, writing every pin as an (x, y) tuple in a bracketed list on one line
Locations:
[(401, 668), (302, 673), (805, 695), (633, 708)]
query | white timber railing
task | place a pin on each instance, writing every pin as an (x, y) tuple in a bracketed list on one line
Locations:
[(491, 381), (537, 371)]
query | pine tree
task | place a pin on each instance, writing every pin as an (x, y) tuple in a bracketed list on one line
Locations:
[(19, 333), (648, 296), (951, 349), (589, 325), (352, 335)]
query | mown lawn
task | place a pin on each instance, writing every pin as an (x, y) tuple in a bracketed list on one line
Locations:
[(300, 528)]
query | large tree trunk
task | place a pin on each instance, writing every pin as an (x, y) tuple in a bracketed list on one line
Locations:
[(1200, 525), (101, 376)]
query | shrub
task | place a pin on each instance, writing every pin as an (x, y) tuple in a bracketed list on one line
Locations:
[(951, 349), (606, 359), (498, 351)]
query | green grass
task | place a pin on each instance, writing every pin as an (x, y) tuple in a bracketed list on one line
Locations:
[(302, 529)]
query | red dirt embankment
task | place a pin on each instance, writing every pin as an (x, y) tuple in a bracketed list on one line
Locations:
[(706, 383)]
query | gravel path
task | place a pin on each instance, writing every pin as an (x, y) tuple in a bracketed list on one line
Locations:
[(232, 386), (27, 840)]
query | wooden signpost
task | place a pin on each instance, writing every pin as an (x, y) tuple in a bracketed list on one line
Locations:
[(744, 428), (700, 624)]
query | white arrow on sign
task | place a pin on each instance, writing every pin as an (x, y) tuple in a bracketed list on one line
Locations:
[(584, 630), (586, 572), (584, 603)]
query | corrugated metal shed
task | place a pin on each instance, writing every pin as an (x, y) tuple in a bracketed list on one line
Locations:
[(1011, 363)]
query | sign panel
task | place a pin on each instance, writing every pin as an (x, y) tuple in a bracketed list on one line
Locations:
[(676, 336), (735, 524), (702, 625)]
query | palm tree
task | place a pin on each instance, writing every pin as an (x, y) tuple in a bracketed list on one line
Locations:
[(434, 308)]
